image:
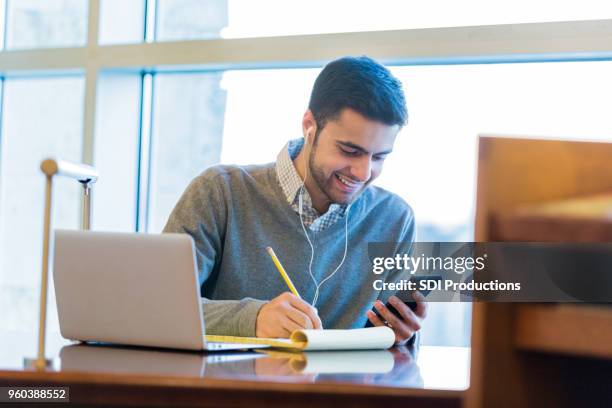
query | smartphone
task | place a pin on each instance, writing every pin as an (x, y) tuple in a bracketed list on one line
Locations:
[(406, 297)]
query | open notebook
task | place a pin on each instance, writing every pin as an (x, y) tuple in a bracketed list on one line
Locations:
[(354, 339)]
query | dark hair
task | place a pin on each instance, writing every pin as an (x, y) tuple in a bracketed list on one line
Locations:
[(361, 84)]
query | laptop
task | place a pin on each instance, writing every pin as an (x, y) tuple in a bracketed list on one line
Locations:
[(128, 288)]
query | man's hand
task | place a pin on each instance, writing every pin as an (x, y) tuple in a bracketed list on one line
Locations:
[(284, 314), (410, 322)]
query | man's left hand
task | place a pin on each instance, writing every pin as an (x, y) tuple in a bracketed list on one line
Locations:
[(410, 321)]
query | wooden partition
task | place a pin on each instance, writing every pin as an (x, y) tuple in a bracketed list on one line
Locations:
[(542, 354)]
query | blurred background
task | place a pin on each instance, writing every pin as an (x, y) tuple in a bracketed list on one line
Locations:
[(153, 92)]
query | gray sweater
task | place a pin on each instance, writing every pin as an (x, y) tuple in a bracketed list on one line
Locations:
[(234, 212)]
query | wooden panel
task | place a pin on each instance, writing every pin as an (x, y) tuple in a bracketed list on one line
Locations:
[(569, 329), (587, 219), (514, 173)]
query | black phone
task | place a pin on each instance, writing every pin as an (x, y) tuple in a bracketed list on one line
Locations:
[(402, 296)]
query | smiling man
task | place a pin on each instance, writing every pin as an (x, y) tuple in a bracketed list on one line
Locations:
[(315, 206)]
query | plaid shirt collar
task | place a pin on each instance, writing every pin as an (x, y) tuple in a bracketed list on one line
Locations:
[(291, 183)]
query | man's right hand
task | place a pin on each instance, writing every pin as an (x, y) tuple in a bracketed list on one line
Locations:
[(284, 314)]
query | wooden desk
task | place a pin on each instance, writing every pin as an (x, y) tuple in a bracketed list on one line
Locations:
[(132, 376)]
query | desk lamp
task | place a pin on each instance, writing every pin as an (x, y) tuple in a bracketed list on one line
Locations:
[(86, 175)]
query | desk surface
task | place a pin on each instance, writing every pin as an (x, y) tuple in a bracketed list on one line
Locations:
[(121, 375)]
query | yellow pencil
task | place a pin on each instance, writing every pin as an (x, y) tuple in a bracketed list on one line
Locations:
[(281, 270)]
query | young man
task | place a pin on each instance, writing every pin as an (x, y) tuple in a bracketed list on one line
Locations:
[(316, 208)]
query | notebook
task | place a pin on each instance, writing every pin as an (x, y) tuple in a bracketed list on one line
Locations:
[(370, 338)]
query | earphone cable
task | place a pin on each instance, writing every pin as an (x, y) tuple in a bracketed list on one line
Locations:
[(318, 285)]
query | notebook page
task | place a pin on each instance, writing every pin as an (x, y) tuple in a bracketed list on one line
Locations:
[(282, 343)]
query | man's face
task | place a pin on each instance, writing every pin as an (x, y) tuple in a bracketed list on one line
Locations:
[(348, 154)]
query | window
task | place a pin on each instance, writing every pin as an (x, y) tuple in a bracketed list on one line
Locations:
[(198, 19), (121, 22), (189, 19), (42, 117), (116, 151), (46, 23), (187, 132)]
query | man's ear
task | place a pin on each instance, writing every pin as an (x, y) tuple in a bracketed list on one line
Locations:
[(310, 134), (310, 127)]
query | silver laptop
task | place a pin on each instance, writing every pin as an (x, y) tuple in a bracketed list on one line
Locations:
[(126, 288)]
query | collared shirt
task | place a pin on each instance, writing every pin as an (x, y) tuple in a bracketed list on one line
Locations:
[(291, 183)]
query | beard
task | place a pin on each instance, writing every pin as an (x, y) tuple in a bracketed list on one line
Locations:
[(318, 176), (322, 181)]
